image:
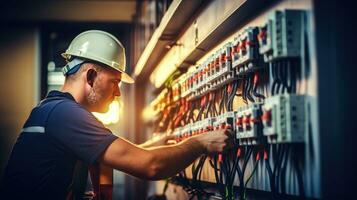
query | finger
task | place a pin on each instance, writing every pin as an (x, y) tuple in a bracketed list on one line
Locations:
[(170, 137), (229, 132), (228, 145), (171, 142)]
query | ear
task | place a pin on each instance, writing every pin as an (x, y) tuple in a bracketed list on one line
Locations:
[(91, 76)]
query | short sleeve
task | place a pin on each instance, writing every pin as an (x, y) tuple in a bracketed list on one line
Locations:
[(78, 131)]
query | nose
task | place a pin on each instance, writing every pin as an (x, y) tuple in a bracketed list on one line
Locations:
[(117, 92)]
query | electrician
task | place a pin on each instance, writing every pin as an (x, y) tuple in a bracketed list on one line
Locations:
[(61, 131)]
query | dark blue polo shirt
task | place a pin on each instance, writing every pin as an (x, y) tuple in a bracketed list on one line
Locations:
[(57, 134)]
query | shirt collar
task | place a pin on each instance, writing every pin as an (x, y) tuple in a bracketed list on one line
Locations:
[(56, 93)]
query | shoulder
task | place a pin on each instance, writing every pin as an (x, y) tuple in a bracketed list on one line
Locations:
[(71, 112)]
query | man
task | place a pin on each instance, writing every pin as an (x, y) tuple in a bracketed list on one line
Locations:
[(61, 131)]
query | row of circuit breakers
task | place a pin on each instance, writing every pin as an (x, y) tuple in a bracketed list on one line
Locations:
[(280, 118)]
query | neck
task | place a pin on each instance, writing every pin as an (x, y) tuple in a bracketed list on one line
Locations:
[(76, 92)]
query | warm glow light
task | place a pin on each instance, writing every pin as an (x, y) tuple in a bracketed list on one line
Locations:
[(166, 67), (110, 117), (148, 113)]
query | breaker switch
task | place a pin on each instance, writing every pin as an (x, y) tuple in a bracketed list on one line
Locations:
[(217, 127), (222, 58), (266, 117), (254, 120), (246, 122), (239, 123), (262, 36), (223, 126), (243, 46)]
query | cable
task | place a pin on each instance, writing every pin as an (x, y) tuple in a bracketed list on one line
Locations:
[(279, 165), (273, 75), (269, 170), (255, 86), (283, 170), (244, 90), (250, 88), (247, 155), (251, 175), (298, 171)]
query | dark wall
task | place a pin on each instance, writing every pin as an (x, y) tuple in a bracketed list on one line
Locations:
[(336, 47)]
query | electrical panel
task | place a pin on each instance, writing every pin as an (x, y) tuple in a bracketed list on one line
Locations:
[(250, 85)]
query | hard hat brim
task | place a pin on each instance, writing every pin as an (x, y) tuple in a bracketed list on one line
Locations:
[(126, 78)]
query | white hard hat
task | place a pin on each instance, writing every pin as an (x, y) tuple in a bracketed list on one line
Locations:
[(101, 47)]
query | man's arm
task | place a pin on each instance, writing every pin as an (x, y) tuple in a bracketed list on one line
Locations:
[(164, 161), (158, 141)]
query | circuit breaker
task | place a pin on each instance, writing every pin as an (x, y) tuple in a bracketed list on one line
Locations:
[(249, 129), (245, 50), (280, 36), (284, 118)]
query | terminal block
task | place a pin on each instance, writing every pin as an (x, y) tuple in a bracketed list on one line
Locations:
[(223, 72), (202, 126), (184, 82), (207, 124), (194, 81), (284, 118), (225, 120), (206, 70), (161, 101), (235, 51), (182, 85), (189, 85), (177, 133), (185, 132), (176, 90), (249, 128), (195, 128), (225, 61), (214, 66), (201, 82)]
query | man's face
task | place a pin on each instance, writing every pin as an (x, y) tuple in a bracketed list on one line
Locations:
[(105, 89)]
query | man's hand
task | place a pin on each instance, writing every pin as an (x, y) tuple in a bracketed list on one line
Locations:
[(216, 141)]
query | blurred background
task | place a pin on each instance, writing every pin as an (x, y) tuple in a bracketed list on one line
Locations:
[(167, 37)]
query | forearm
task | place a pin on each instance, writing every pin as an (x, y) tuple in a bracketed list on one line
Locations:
[(163, 161), (159, 140), (169, 160)]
